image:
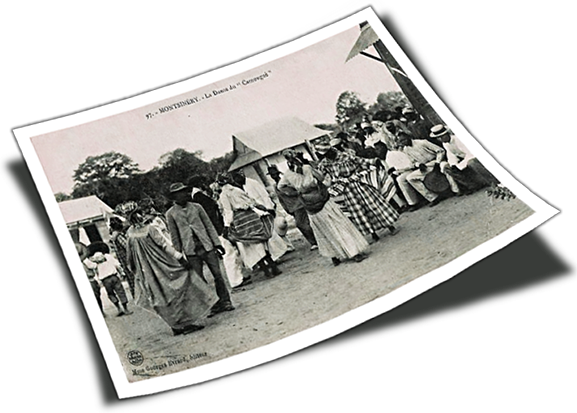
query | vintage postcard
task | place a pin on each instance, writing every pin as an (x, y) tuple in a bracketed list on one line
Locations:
[(236, 217)]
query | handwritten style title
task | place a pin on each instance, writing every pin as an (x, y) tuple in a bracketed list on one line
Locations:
[(207, 95)]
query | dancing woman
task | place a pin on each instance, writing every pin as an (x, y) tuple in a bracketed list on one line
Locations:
[(336, 235), (368, 209), (248, 225), (164, 280)]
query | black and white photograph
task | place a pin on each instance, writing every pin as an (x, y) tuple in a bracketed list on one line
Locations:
[(233, 218)]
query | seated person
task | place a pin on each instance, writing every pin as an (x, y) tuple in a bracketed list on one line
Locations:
[(466, 172), (423, 156)]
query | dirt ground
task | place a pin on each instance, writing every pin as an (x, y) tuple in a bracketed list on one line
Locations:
[(311, 291)]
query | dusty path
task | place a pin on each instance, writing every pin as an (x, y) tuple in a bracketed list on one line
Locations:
[(311, 291)]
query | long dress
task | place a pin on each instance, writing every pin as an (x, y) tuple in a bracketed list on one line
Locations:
[(257, 191), (366, 207), (231, 200), (336, 235), (163, 286)]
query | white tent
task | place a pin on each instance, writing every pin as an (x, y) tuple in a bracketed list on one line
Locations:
[(86, 218), (271, 138)]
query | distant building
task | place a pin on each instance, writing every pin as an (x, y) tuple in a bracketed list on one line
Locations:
[(260, 147), (86, 219)]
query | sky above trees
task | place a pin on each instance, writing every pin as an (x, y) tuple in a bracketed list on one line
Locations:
[(305, 84)]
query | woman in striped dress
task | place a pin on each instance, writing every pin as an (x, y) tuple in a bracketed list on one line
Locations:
[(248, 225), (367, 208)]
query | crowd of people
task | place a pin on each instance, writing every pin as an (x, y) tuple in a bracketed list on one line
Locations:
[(352, 193)]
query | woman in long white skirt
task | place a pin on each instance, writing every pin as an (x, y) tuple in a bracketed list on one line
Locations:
[(337, 237), (249, 226)]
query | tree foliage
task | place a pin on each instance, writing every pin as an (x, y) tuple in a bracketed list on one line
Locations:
[(179, 165), (389, 101), (350, 109), (61, 196), (104, 175), (115, 178)]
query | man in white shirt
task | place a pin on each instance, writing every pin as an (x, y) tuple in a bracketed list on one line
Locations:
[(423, 156), (466, 173)]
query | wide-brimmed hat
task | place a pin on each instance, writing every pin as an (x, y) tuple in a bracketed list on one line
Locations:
[(335, 141), (177, 187), (407, 110), (273, 170), (438, 130), (322, 148), (98, 246), (289, 153)]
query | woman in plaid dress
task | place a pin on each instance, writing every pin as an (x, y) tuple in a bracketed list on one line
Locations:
[(336, 236), (364, 204)]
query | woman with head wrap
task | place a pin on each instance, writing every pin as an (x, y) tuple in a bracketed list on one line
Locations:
[(118, 242), (164, 280), (248, 225), (335, 234), (367, 208)]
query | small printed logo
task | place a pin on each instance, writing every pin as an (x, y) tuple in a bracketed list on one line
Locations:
[(135, 357)]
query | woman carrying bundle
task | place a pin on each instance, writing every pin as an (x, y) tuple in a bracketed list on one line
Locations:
[(336, 235), (248, 225)]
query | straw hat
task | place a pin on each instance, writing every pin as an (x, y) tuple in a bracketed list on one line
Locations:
[(335, 142), (322, 148), (177, 187), (438, 130)]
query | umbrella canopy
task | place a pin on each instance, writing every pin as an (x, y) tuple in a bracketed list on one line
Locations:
[(366, 39)]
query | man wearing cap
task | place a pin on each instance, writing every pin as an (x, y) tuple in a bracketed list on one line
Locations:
[(462, 168), (231, 260), (194, 235), (293, 206)]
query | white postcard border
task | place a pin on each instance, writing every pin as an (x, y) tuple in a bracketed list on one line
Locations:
[(298, 341)]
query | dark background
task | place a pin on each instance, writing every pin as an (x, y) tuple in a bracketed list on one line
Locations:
[(509, 67)]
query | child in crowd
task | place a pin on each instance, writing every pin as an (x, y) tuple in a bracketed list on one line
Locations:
[(90, 269), (107, 268)]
